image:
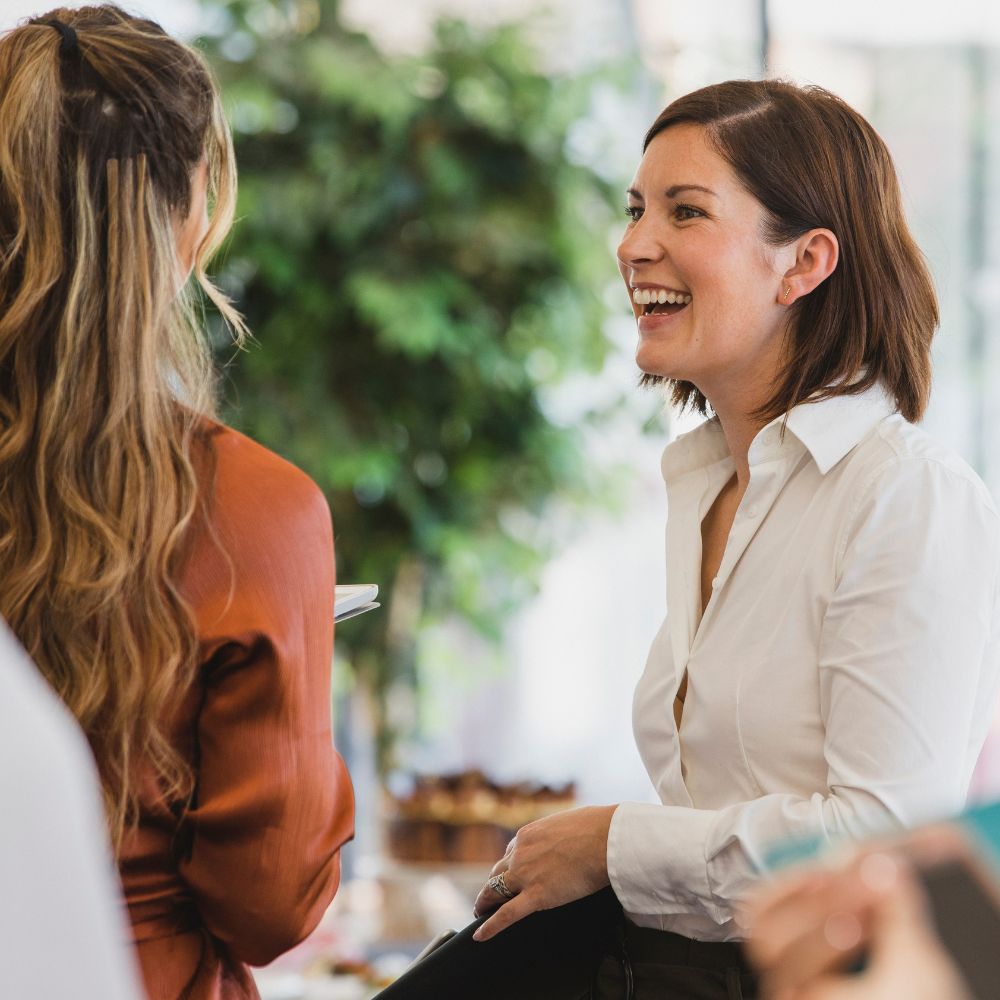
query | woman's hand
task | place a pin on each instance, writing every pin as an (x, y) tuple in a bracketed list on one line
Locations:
[(807, 930), (550, 862)]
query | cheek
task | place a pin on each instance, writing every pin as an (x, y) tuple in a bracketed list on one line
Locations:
[(732, 280)]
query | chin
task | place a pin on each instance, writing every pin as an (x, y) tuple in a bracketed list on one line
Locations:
[(654, 365)]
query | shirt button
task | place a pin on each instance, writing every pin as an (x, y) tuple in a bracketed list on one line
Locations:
[(751, 512)]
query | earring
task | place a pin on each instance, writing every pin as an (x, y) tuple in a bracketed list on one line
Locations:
[(788, 288)]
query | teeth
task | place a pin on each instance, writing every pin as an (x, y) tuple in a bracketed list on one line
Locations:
[(646, 296)]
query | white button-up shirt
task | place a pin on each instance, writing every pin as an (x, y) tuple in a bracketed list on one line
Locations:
[(843, 675)]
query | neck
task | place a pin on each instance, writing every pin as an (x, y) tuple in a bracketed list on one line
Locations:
[(740, 428), (737, 389), (735, 406), (736, 397)]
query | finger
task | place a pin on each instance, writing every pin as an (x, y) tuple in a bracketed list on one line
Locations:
[(820, 950), (830, 987), (901, 918), (823, 933), (489, 899), (814, 932), (779, 914), (493, 900), (504, 862), (774, 895), (517, 908), (806, 926), (777, 917), (483, 905)]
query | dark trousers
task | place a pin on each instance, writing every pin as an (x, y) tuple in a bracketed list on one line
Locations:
[(582, 951), (646, 964)]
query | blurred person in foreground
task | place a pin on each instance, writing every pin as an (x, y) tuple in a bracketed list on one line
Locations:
[(829, 661), (861, 927), (62, 930), (173, 580)]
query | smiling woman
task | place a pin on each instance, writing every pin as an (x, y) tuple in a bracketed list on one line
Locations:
[(706, 242), (825, 559), (833, 182)]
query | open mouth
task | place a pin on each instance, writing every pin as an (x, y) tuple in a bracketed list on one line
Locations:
[(660, 301)]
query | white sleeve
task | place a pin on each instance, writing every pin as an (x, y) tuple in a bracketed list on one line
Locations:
[(908, 665)]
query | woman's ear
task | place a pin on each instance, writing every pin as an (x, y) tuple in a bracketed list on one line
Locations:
[(816, 256)]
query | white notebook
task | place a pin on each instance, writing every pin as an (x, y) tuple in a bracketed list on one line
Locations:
[(353, 599)]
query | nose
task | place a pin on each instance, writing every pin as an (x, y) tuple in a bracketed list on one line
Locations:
[(639, 245)]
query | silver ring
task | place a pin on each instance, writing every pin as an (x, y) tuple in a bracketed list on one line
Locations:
[(498, 883)]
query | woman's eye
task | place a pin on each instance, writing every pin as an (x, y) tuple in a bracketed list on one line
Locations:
[(684, 212), (634, 212)]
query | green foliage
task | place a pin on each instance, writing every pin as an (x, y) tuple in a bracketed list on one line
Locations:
[(420, 259)]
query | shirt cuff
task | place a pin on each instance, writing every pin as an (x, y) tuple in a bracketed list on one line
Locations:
[(657, 859)]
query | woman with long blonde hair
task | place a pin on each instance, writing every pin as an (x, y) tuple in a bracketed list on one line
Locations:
[(172, 580)]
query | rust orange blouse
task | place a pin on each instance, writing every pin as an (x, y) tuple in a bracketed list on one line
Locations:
[(248, 869)]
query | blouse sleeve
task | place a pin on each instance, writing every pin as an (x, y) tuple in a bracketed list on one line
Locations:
[(273, 802), (908, 659)]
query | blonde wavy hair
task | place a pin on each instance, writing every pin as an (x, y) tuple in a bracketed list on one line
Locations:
[(106, 381)]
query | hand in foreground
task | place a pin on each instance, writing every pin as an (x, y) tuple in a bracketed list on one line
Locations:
[(550, 862), (807, 929)]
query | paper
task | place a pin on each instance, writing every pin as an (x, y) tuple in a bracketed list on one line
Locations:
[(352, 599)]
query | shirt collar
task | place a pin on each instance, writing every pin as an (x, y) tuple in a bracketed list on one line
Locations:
[(697, 449), (830, 428), (827, 428)]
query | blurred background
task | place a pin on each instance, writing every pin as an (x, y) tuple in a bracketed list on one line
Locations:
[(430, 196)]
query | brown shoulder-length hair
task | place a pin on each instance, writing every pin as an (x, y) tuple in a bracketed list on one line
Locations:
[(813, 162)]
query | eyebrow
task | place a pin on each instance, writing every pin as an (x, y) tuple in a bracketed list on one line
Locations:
[(675, 190)]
